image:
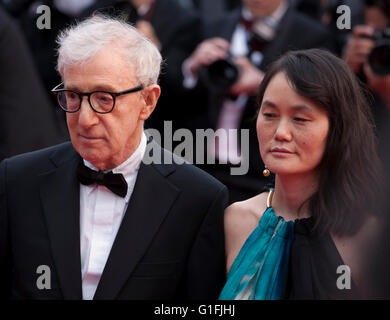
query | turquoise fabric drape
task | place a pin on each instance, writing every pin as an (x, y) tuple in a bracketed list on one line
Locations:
[(259, 271)]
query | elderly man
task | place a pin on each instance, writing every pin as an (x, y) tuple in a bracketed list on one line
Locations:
[(90, 219)]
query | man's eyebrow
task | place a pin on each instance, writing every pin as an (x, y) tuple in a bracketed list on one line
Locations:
[(100, 87), (104, 87), (70, 87)]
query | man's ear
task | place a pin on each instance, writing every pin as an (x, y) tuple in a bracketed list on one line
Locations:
[(150, 95)]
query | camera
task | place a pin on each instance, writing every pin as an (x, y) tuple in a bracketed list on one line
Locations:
[(379, 58), (220, 75)]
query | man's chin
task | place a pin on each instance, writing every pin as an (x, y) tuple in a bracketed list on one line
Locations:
[(92, 155)]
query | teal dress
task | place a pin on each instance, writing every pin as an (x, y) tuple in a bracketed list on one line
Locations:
[(259, 271), (286, 260)]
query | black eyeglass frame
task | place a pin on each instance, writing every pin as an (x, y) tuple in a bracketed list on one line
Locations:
[(55, 91)]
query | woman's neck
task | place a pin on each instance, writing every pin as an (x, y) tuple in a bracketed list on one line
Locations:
[(291, 195)]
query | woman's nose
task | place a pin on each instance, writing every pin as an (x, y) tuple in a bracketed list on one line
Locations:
[(283, 131)]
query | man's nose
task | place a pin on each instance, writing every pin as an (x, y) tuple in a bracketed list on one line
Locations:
[(283, 131), (87, 116)]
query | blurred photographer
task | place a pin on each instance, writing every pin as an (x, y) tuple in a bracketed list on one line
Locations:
[(227, 68), (365, 37), (368, 54)]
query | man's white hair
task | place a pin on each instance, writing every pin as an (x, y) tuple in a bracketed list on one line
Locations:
[(83, 41)]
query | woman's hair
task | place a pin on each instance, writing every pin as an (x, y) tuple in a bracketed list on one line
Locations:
[(83, 41), (349, 176)]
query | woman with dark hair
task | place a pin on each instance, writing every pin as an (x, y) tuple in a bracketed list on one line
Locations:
[(307, 237)]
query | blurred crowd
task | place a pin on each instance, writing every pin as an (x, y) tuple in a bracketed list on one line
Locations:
[(215, 53)]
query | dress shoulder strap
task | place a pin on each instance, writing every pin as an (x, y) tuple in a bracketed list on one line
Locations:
[(269, 198)]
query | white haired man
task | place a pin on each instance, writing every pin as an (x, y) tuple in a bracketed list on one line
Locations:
[(89, 219)]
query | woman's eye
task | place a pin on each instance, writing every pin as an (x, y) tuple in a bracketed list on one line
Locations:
[(300, 119), (269, 115)]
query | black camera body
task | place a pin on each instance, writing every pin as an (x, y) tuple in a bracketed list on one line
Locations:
[(379, 58), (220, 75)]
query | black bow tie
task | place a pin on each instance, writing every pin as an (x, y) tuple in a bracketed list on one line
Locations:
[(113, 181)]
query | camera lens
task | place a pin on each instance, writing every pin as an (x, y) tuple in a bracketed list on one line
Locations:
[(220, 75), (379, 58)]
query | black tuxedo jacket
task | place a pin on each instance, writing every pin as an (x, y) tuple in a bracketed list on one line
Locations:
[(170, 243)]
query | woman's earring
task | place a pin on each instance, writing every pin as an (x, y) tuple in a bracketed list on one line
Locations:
[(266, 172)]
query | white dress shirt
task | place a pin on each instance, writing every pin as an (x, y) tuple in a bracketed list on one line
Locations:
[(101, 213)]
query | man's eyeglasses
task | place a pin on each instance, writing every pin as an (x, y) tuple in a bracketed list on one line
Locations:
[(101, 101)]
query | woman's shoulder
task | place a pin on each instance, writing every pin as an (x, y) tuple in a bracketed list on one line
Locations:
[(241, 218), (250, 209)]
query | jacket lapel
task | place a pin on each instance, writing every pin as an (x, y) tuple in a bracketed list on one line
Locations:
[(152, 198), (61, 204)]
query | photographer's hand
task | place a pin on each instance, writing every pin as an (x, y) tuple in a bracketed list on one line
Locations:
[(207, 52), (359, 47), (249, 79)]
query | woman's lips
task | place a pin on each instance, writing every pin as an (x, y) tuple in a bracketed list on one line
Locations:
[(276, 151)]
